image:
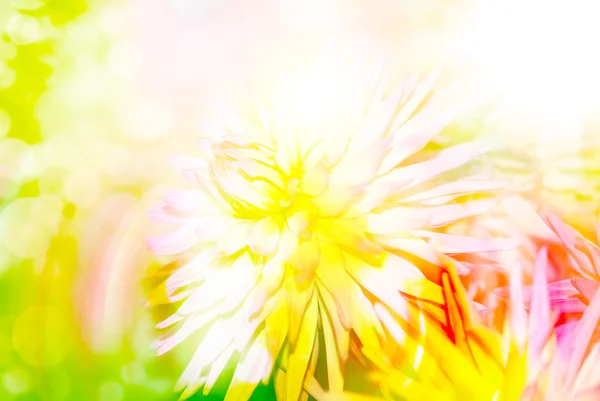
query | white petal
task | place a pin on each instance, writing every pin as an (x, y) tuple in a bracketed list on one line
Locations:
[(397, 220), (414, 99), (413, 246), (446, 214), (361, 166), (250, 371), (176, 242), (187, 200), (371, 279), (377, 122), (336, 199), (216, 368), (315, 179), (171, 320), (458, 188), (270, 280), (216, 340), (263, 236), (451, 244), (163, 213), (189, 326), (189, 166), (390, 323), (236, 237), (391, 184), (412, 137), (231, 284), (245, 192), (196, 270)]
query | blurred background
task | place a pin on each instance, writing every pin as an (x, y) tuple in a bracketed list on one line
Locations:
[(96, 94)]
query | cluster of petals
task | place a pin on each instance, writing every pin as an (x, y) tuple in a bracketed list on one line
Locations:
[(304, 248)]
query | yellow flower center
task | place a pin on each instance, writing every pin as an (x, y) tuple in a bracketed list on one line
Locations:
[(249, 178), (288, 206)]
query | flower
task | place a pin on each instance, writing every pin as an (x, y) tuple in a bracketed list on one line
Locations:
[(488, 273), (572, 266), (301, 222), (569, 371), (565, 313), (571, 296), (572, 374), (467, 360), (475, 362)]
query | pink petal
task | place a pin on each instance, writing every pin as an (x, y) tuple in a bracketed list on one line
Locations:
[(564, 337), (539, 317), (582, 335), (518, 316), (569, 305), (587, 288), (566, 234), (572, 240)]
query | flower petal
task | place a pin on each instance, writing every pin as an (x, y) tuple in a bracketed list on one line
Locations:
[(456, 188), (176, 242), (360, 167), (412, 137), (315, 179), (453, 244), (518, 316), (582, 335), (298, 300), (250, 370), (341, 333), (263, 236), (391, 184), (276, 325), (540, 324), (377, 122), (332, 274), (334, 366), (587, 288), (395, 221), (301, 353)]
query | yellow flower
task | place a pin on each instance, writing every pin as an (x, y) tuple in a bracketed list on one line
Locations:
[(306, 220), (462, 360)]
